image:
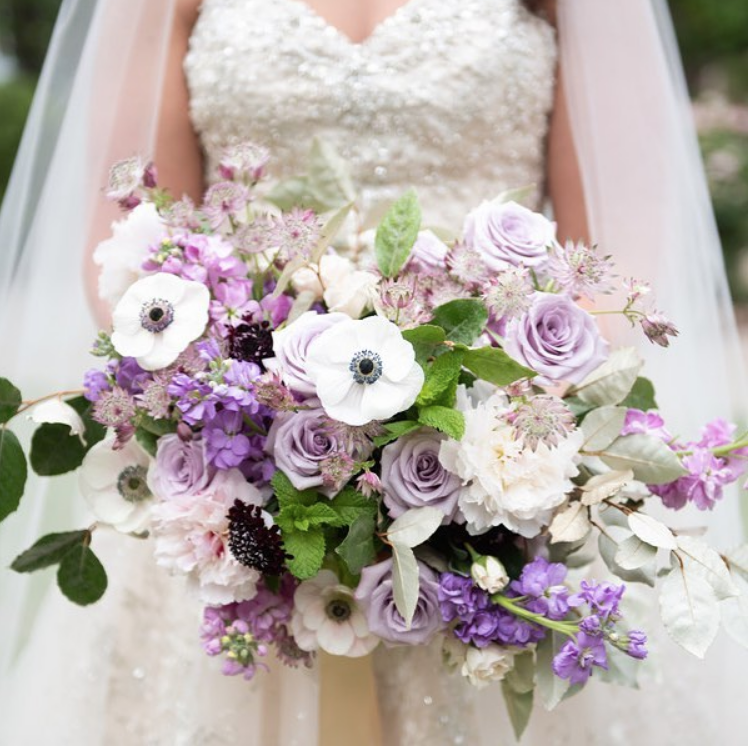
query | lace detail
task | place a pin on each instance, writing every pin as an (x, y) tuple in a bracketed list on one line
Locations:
[(452, 98)]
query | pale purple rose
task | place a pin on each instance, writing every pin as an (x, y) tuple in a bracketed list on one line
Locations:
[(505, 233), (291, 345), (413, 477), (374, 593), (181, 468), (299, 442), (557, 339), (429, 251)]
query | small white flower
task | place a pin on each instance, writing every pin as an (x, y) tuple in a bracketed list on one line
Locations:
[(489, 574), (158, 317), (327, 616), (486, 665), (336, 281), (115, 487), (506, 483), (364, 370), (121, 256)]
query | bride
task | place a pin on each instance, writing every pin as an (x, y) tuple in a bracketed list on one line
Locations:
[(582, 98)]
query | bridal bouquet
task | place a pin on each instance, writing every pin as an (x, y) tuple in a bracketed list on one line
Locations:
[(345, 439)]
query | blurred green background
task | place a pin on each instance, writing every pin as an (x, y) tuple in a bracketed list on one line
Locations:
[(713, 35)]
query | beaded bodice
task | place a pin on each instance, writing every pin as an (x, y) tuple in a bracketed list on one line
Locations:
[(449, 96)]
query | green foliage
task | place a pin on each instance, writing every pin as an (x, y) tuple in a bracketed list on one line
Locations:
[(13, 473), (395, 430), (495, 366), (441, 380), (397, 233), (357, 550), (462, 320), (444, 419), (642, 395), (426, 340), (307, 550), (10, 400), (49, 550), (81, 576), (15, 101)]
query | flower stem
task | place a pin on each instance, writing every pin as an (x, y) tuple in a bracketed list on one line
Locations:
[(565, 628), (26, 405)]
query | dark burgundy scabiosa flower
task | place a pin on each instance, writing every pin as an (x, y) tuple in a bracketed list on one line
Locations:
[(252, 542), (250, 341)]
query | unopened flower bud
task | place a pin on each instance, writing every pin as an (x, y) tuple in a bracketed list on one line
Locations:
[(489, 574), (658, 329), (184, 431)]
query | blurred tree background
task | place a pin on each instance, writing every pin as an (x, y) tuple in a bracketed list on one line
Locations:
[(714, 42)]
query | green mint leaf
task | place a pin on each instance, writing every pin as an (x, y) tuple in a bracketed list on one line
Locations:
[(357, 550), (81, 576), (287, 494), (441, 379), (13, 473), (10, 400), (462, 320), (323, 515), (395, 430), (307, 550), (397, 233), (49, 550), (444, 419), (351, 504), (495, 366), (425, 340)]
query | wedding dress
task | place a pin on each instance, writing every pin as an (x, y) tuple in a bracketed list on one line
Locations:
[(452, 98)]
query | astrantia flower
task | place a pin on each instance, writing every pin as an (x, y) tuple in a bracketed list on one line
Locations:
[(256, 237), (327, 616), (296, 233), (254, 539), (364, 370), (659, 329), (509, 293), (114, 408), (246, 161), (506, 483), (127, 178), (158, 317), (270, 392), (466, 265), (121, 257), (542, 419), (580, 270), (223, 200), (192, 537), (578, 656), (114, 484)]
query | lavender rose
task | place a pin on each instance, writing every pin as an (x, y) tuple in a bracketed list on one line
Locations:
[(429, 251), (374, 593), (413, 477), (181, 468), (557, 339), (291, 344), (299, 442), (505, 233)]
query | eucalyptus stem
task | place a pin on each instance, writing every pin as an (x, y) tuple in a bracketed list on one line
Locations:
[(565, 628), (26, 405)]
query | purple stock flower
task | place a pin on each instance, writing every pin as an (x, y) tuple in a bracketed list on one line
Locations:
[(233, 301), (459, 598), (130, 376), (95, 383), (542, 582), (718, 432), (601, 598), (375, 595), (226, 443), (577, 657), (194, 398), (645, 423), (635, 644), (557, 339), (703, 485)]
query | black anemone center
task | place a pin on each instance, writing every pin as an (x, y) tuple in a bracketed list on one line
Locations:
[(132, 485), (156, 314), (366, 367), (338, 610)]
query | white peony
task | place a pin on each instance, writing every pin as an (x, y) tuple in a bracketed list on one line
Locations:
[(158, 317), (506, 484), (364, 370), (336, 281), (121, 256), (192, 538), (327, 616), (114, 484), (486, 665)]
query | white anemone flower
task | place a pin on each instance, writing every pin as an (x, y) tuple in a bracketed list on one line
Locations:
[(327, 616), (113, 482), (158, 317), (364, 370)]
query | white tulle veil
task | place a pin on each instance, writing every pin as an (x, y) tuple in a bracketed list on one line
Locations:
[(98, 100)]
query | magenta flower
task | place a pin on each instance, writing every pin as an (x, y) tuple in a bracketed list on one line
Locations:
[(646, 423)]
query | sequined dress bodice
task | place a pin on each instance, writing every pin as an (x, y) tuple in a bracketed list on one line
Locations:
[(451, 97)]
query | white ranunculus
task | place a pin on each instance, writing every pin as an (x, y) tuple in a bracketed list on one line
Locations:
[(489, 574), (364, 370), (113, 482), (506, 484), (486, 665), (344, 288), (158, 317), (121, 256), (327, 616)]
